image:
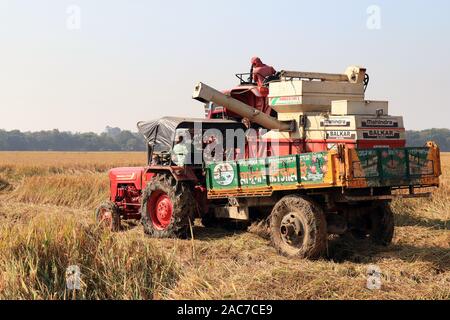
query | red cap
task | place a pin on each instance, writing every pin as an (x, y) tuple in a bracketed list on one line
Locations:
[(256, 61)]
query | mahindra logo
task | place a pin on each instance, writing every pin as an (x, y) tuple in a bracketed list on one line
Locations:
[(380, 123), (335, 123)]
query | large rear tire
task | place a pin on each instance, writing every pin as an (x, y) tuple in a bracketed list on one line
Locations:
[(298, 227), (168, 207)]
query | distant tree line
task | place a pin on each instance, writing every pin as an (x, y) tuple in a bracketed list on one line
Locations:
[(115, 139), (419, 138)]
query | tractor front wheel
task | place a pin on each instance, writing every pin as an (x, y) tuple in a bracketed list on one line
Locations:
[(298, 227), (107, 215), (167, 207)]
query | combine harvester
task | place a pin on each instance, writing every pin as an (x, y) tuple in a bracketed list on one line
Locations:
[(323, 160)]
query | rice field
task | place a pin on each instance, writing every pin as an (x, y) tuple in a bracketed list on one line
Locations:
[(47, 202)]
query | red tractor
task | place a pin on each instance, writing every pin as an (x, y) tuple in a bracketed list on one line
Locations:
[(165, 195)]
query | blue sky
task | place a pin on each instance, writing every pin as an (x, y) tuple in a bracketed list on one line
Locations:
[(137, 60)]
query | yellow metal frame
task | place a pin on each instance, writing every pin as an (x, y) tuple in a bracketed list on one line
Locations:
[(340, 174)]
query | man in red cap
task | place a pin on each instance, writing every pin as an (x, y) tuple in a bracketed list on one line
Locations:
[(261, 71)]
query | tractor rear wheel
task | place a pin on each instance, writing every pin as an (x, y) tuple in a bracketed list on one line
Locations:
[(167, 208), (298, 227), (107, 215)]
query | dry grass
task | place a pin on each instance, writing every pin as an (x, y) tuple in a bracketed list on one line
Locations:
[(4, 184), (46, 220), (35, 255), (78, 191), (16, 165)]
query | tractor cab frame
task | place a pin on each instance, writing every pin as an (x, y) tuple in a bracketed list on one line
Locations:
[(131, 187), (161, 136)]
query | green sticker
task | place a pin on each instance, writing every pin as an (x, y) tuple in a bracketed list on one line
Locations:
[(283, 170)]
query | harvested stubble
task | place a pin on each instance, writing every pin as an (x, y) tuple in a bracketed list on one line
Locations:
[(34, 257), (47, 225)]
